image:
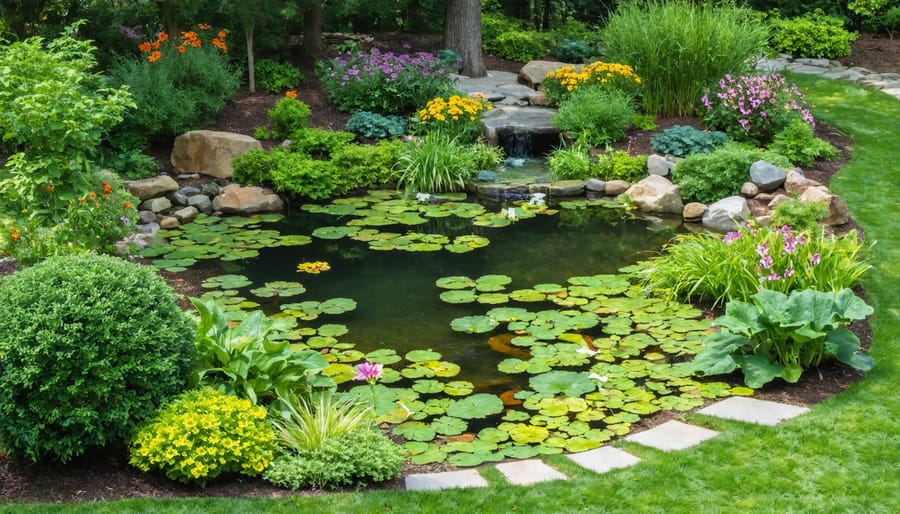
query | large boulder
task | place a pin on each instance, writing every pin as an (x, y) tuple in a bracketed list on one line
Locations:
[(534, 72), (726, 214), (152, 187), (838, 212), (656, 194), (237, 199), (659, 165), (766, 176), (210, 152)]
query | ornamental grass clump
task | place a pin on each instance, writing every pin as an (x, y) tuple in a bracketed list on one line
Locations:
[(438, 163), (456, 116), (385, 83), (734, 267), (754, 108), (559, 84), (678, 48), (203, 434)]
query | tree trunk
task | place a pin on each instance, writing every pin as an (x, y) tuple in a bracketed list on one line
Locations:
[(545, 18), (251, 73), (312, 29), (462, 34)]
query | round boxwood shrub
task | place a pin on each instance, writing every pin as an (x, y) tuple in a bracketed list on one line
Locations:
[(90, 345)]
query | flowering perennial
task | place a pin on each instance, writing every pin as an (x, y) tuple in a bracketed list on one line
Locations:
[(560, 83), (456, 115), (754, 108), (313, 267), (187, 40)]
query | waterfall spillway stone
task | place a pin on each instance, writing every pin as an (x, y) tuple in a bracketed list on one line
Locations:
[(521, 131)]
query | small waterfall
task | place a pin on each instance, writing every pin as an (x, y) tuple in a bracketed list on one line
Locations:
[(527, 144)]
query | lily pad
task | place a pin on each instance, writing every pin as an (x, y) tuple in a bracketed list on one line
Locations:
[(422, 355), (447, 425), (279, 288), (455, 282), (459, 296), (337, 232), (426, 386), (568, 383), (479, 405), (226, 282), (415, 431), (332, 330), (337, 306), (458, 388), (383, 356), (492, 283), (474, 324)]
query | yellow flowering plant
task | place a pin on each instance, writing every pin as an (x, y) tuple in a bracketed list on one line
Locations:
[(456, 116), (203, 434), (560, 83)]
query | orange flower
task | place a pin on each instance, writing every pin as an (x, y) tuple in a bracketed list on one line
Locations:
[(127, 205), (222, 34), (92, 195), (107, 189), (97, 205), (290, 93), (49, 187), (188, 36), (163, 36), (195, 43), (84, 200), (154, 56), (204, 26), (14, 234), (155, 45), (144, 47), (181, 49)]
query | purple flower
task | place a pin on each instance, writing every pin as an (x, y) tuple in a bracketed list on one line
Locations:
[(125, 220), (772, 276), (766, 261), (788, 272), (369, 371), (762, 249), (814, 258), (731, 236)]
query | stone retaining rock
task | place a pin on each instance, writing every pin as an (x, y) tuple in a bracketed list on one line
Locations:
[(726, 214), (656, 194), (237, 199), (151, 187), (210, 152), (766, 176)]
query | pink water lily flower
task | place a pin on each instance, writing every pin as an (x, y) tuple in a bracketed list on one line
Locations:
[(369, 371)]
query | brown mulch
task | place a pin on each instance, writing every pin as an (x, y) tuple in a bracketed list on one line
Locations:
[(102, 477)]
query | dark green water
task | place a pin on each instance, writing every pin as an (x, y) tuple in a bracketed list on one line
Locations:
[(398, 303)]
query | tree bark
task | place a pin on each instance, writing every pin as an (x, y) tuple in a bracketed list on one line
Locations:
[(251, 73), (312, 28), (462, 34)]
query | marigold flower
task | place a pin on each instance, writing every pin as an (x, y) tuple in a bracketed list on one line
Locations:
[(84, 200), (49, 187), (156, 45), (181, 49), (222, 34), (290, 93), (195, 43), (14, 234), (162, 36), (204, 26), (92, 195), (107, 189), (127, 205), (154, 56), (144, 47), (97, 205)]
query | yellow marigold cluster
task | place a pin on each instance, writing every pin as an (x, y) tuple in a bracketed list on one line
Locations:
[(455, 108), (562, 81), (313, 267), (203, 434)]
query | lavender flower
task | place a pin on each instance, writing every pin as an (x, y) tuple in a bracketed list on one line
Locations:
[(369, 371), (731, 237)]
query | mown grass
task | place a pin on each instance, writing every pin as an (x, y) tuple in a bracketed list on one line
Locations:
[(840, 457)]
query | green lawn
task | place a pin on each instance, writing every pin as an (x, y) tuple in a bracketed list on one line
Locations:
[(844, 456)]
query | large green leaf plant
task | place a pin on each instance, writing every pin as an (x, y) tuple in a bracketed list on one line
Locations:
[(779, 335)]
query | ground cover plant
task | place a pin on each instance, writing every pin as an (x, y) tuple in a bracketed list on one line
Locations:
[(708, 177)]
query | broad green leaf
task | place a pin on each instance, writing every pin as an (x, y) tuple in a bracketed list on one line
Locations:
[(568, 383), (479, 405)]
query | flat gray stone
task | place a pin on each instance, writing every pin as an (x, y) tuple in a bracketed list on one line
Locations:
[(446, 480), (751, 410), (527, 472), (603, 459), (672, 435)]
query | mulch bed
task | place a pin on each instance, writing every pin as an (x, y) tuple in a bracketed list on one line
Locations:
[(101, 477)]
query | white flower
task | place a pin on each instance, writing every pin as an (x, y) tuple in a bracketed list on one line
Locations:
[(588, 352), (423, 197), (511, 213), (536, 200), (601, 379)]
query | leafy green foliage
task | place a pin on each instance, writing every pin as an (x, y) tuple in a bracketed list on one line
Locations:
[(571, 162), (803, 217), (319, 143), (244, 361), (288, 115), (307, 424), (711, 268), (620, 165), (369, 125), (797, 143), (575, 51), (521, 45), (203, 434), (684, 140), (680, 47), (176, 93), (359, 457), (84, 355), (595, 116), (781, 336), (274, 76), (710, 177), (53, 112), (576, 162), (363, 166), (812, 35), (254, 167), (437, 163)]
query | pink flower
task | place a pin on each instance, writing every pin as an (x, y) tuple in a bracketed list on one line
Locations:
[(369, 371)]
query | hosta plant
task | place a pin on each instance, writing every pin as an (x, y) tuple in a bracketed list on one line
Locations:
[(779, 335), (244, 361)]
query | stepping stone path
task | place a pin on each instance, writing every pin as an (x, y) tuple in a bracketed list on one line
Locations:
[(888, 83), (669, 436)]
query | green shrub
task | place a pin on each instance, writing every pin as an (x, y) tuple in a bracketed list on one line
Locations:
[(90, 346), (797, 143), (803, 217), (493, 25), (812, 35), (711, 268), (288, 115), (364, 166), (203, 434), (319, 143), (54, 111), (619, 165), (571, 163), (485, 156), (243, 360), (359, 457), (274, 76), (436, 163), (255, 167), (306, 425), (300, 176), (777, 335), (684, 140), (521, 45), (369, 125), (710, 177), (679, 47), (595, 116), (575, 51), (176, 92)]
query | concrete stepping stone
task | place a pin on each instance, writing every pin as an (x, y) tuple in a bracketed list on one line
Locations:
[(751, 410), (603, 459), (672, 435), (446, 480), (527, 472)]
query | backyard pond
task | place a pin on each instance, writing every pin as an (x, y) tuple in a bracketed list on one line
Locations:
[(505, 329)]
